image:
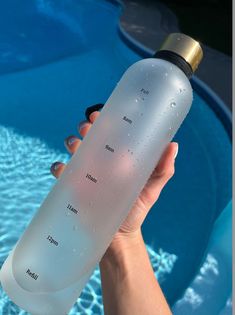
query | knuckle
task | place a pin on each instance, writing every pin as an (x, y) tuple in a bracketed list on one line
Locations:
[(170, 172)]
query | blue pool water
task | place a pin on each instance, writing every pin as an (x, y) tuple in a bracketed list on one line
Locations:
[(57, 58)]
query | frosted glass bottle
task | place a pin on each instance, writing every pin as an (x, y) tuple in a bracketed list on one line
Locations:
[(54, 258)]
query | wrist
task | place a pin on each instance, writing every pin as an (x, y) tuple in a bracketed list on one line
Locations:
[(124, 245)]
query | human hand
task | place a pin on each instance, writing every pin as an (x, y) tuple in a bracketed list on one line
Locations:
[(131, 227)]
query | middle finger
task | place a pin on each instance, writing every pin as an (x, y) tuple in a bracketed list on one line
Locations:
[(72, 143)]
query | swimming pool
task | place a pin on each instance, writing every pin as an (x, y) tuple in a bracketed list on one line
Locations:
[(57, 58)]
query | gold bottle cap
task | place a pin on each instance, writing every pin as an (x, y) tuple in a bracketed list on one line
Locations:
[(186, 47)]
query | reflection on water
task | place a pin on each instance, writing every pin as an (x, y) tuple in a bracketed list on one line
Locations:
[(192, 298), (56, 10), (210, 266), (194, 295), (24, 182), (199, 297), (162, 262)]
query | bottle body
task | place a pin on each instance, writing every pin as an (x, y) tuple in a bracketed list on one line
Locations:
[(75, 224)]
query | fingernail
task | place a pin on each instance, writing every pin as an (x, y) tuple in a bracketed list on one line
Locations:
[(93, 108), (55, 166), (176, 151), (82, 124), (71, 140), (90, 116)]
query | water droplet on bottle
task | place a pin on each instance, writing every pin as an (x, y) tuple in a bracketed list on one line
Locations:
[(136, 100), (68, 214), (75, 227), (128, 135), (74, 250), (170, 131), (141, 114), (178, 38), (180, 90), (173, 104), (131, 152), (128, 150), (166, 74)]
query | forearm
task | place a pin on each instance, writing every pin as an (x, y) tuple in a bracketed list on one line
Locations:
[(128, 282)]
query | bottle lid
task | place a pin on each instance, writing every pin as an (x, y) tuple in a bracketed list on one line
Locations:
[(184, 46)]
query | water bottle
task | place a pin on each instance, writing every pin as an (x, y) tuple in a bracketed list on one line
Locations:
[(50, 264)]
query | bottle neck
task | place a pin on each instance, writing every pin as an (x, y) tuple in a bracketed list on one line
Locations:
[(175, 59)]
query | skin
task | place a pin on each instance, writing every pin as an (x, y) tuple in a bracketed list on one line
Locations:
[(129, 285)]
